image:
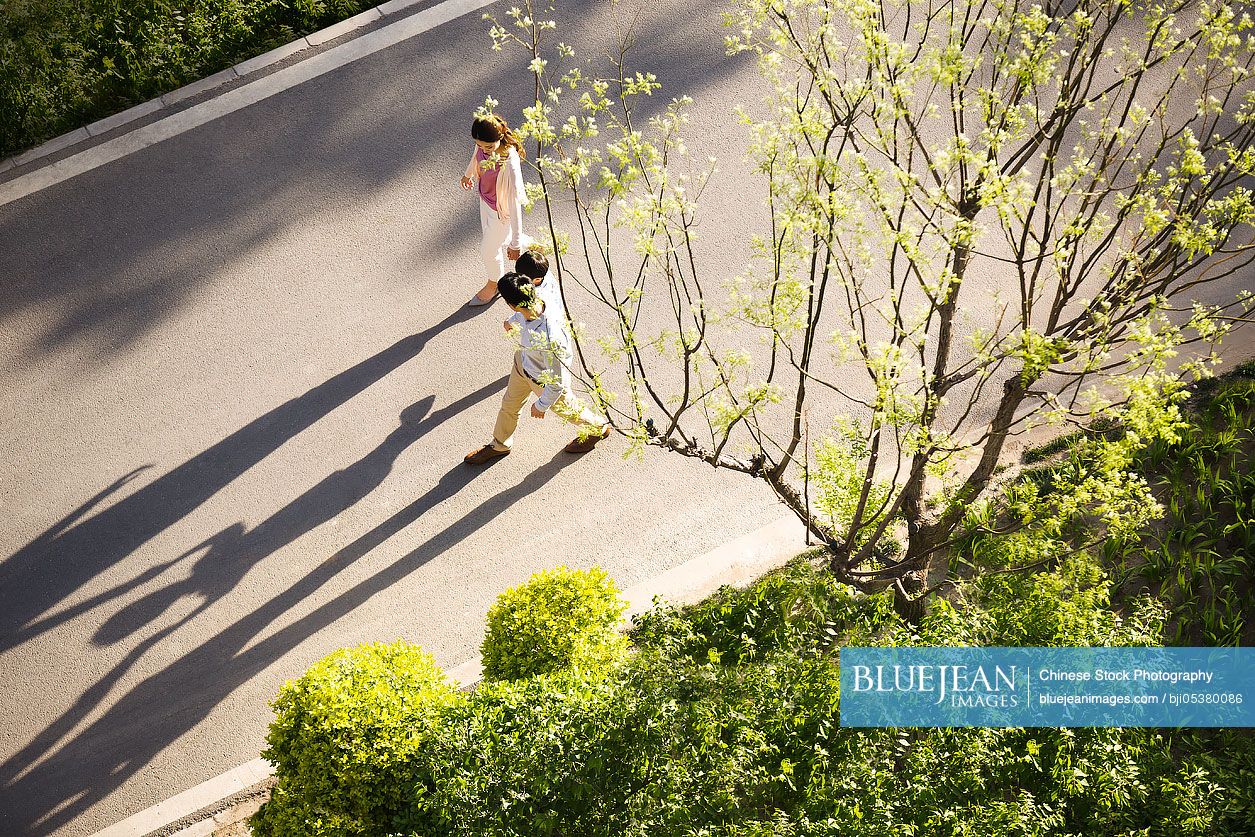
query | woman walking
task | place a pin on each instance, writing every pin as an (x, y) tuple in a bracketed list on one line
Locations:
[(497, 170)]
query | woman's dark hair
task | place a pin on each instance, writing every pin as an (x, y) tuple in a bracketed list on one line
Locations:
[(491, 128), (532, 264), (517, 290)]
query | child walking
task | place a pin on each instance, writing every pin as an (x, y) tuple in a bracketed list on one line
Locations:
[(496, 169), (535, 266), (540, 368)]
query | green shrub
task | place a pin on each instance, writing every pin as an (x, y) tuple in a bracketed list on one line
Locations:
[(798, 607), (1065, 606), (1053, 782), (1199, 561), (659, 747), (672, 743), (536, 756), (343, 737), (559, 619), (674, 747)]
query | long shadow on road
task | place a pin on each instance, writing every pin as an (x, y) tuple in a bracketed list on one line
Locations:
[(87, 768), (129, 259), (226, 557), (57, 563)]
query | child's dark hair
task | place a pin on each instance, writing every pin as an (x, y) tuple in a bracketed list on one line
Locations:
[(491, 128), (532, 264), (517, 290)]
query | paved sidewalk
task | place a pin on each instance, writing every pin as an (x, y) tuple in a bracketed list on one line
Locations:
[(239, 381)]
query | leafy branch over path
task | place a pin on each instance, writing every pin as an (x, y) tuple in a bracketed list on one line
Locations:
[(982, 216)]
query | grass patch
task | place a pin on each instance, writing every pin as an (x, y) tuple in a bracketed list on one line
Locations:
[(1057, 445), (1200, 559), (67, 63)]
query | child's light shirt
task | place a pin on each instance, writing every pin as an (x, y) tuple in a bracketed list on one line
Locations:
[(552, 297)]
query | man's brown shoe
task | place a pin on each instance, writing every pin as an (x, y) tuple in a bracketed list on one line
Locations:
[(484, 455), (584, 445)]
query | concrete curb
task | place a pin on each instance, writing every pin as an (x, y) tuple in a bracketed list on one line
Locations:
[(736, 563), (232, 820), (198, 87), (344, 27), (52, 146), (107, 124), (264, 60), (190, 801), (236, 96), (217, 80)]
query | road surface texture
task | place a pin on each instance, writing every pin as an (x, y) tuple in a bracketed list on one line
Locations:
[(239, 381), (238, 386)]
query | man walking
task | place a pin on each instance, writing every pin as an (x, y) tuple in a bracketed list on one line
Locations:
[(541, 367)]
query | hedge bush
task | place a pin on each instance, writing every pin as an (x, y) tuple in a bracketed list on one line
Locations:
[(800, 608), (540, 755), (676, 743), (726, 722), (558, 619), (66, 63), (343, 738)]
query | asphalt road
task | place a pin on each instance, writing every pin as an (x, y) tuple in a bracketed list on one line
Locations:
[(238, 385)]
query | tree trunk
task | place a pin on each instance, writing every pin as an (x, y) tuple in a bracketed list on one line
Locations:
[(909, 600), (908, 588), (925, 539)]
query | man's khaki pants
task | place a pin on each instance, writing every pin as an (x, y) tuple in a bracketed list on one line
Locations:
[(516, 393)]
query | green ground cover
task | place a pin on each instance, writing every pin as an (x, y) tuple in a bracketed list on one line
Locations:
[(724, 717), (67, 63), (1200, 559)]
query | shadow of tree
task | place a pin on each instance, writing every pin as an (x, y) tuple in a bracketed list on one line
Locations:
[(130, 257)]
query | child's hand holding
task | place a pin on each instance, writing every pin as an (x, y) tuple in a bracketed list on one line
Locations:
[(467, 184)]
